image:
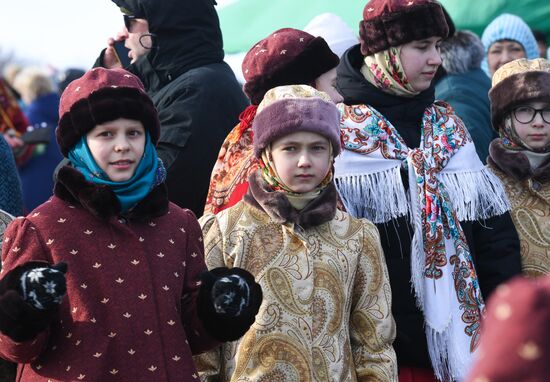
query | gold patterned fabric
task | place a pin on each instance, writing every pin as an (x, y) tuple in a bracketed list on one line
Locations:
[(326, 312), (530, 202)]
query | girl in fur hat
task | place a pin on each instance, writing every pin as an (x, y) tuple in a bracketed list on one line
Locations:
[(520, 108), (285, 57), (326, 310), (410, 166), (106, 280)]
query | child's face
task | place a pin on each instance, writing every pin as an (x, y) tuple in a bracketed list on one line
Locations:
[(420, 60), (536, 133), (302, 160), (326, 82), (117, 147)]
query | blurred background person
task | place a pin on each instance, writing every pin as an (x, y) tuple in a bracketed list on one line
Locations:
[(9, 73), (542, 42), (338, 35), (465, 86), (41, 108), (13, 124), (11, 199), (507, 38), (66, 76)]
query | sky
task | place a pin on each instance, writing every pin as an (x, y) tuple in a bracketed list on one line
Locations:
[(59, 33)]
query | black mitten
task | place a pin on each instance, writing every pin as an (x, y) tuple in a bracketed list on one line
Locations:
[(228, 302), (44, 287), (19, 318)]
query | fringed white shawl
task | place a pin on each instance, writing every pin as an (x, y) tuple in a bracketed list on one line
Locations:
[(447, 184)]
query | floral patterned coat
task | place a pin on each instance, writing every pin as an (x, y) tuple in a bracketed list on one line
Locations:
[(529, 194), (130, 312), (326, 313)]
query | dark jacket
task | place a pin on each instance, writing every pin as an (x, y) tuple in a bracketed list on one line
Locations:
[(11, 199), (493, 243), (37, 173), (196, 94), (468, 95)]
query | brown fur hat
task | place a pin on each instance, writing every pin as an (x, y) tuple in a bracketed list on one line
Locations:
[(517, 82), (102, 95), (388, 23)]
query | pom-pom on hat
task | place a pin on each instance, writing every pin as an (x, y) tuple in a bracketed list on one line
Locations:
[(291, 108), (388, 23), (518, 82), (287, 56), (102, 95)]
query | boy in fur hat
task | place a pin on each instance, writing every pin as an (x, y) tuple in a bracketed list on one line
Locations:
[(520, 108), (326, 313), (107, 279), (285, 57), (410, 166)]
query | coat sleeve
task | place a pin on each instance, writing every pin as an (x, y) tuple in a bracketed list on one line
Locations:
[(198, 337), (497, 252), (22, 244), (209, 364), (372, 328)]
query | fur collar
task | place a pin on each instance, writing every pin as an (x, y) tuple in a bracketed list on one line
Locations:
[(100, 201), (320, 210), (516, 164)]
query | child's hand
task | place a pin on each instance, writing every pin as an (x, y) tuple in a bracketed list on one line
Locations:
[(233, 291), (228, 302), (44, 287)]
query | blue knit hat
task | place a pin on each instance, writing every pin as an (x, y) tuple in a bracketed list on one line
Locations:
[(509, 27)]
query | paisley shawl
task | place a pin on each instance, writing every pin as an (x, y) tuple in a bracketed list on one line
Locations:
[(443, 276)]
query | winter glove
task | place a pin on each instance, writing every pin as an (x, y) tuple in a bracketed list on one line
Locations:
[(228, 302), (44, 287), (19, 318)]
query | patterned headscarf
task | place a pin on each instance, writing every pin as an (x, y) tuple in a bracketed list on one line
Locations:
[(385, 71), (298, 200)]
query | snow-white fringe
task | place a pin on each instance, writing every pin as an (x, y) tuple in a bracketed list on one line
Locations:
[(475, 195), (448, 364), (379, 196)]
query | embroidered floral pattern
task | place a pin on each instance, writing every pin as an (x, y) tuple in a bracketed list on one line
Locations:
[(439, 244)]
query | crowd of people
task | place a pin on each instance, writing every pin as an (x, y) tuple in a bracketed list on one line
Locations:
[(373, 212)]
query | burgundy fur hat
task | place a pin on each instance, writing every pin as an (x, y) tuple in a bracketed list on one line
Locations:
[(102, 95), (517, 82), (285, 57), (291, 108), (388, 23), (515, 339)]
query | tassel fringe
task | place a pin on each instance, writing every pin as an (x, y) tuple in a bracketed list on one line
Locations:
[(378, 197), (475, 195)]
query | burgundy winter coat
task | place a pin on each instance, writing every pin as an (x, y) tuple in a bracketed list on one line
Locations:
[(130, 313)]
